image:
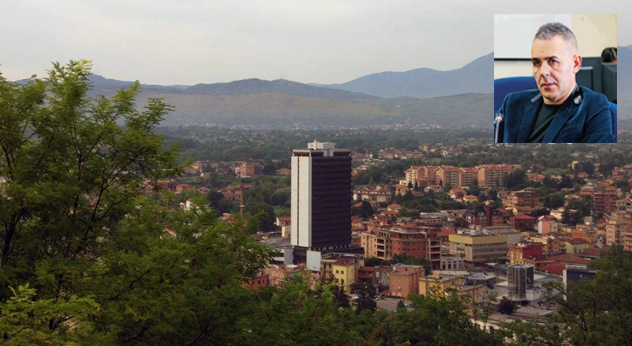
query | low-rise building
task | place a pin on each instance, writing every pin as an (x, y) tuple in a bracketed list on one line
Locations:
[(261, 279), (278, 274), (247, 169), (345, 271), (478, 248), (443, 284), (384, 244), (576, 245), (524, 198), (525, 250), (552, 244), (438, 283), (617, 223), (373, 194), (284, 223), (451, 262), (404, 280), (524, 222)]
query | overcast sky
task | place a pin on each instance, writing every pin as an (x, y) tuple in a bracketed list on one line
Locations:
[(205, 41)]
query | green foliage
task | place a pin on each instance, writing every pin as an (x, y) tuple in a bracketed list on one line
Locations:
[(373, 175), (24, 320), (372, 262), (532, 333), (262, 221), (506, 306), (587, 167), (583, 207), (366, 298), (72, 173), (436, 321), (97, 261), (340, 296), (364, 211), (473, 188), (416, 261), (554, 201), (515, 180), (401, 304), (109, 265)]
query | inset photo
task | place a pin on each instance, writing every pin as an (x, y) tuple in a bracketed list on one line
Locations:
[(555, 78)]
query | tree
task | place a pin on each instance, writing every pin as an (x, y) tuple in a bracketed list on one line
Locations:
[(473, 188), (118, 265), (372, 261), (515, 179), (401, 304), (554, 201), (493, 195), (585, 166), (566, 182), (447, 187), (366, 298), (437, 321), (71, 172), (214, 197), (340, 297), (25, 319), (506, 306), (93, 252), (364, 211), (577, 209)]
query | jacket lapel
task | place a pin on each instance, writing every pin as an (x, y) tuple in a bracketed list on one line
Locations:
[(561, 117), (528, 119)]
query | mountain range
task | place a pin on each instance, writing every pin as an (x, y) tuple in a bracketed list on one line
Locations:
[(475, 77), (422, 97)]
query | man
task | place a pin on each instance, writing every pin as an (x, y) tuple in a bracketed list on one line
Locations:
[(559, 111)]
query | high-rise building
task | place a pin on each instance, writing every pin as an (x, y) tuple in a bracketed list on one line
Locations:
[(321, 201), (520, 279)]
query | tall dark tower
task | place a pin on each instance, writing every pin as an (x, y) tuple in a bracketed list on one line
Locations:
[(321, 200)]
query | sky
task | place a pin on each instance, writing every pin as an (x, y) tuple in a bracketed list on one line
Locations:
[(310, 41)]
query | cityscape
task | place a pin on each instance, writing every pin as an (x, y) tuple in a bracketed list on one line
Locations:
[(368, 229)]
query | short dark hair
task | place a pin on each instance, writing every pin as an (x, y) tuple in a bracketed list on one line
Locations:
[(609, 54), (550, 30)]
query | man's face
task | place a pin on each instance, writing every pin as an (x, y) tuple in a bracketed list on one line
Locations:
[(554, 68)]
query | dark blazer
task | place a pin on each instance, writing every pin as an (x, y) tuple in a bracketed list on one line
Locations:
[(583, 118)]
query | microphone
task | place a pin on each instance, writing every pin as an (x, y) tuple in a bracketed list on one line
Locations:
[(497, 120)]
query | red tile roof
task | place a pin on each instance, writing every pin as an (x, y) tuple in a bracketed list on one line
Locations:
[(345, 261), (594, 252), (568, 258), (556, 269)]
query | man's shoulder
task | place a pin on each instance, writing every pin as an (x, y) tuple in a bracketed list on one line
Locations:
[(593, 99)]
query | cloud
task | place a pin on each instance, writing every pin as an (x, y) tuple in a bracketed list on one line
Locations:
[(195, 41)]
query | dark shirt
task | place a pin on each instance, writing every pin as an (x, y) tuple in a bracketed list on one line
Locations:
[(542, 122)]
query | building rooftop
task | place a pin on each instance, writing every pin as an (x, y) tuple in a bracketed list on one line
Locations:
[(555, 268), (569, 259), (345, 261)]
